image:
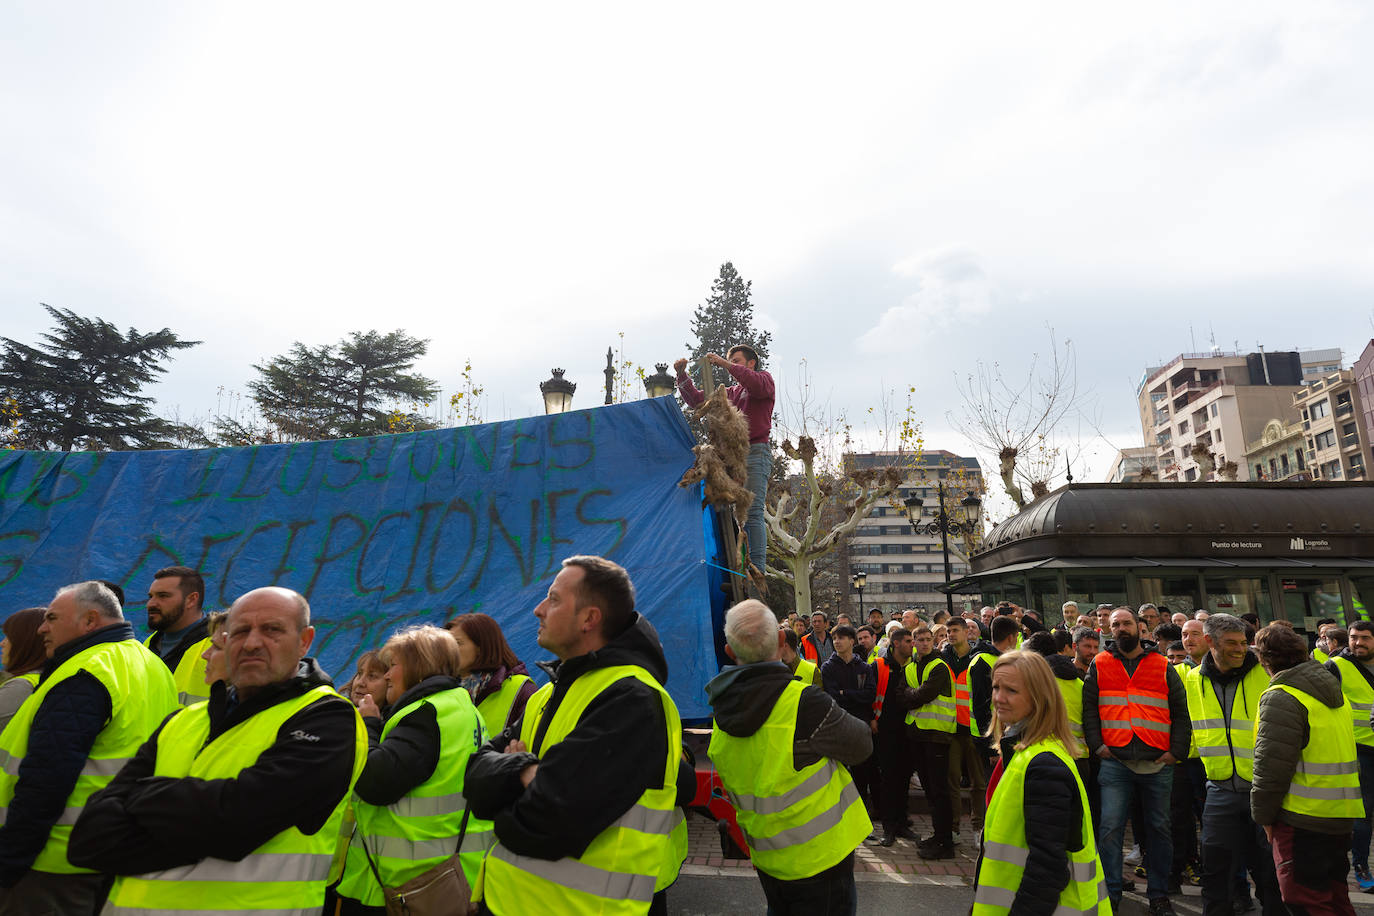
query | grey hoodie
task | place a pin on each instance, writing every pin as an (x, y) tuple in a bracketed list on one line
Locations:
[(1280, 735)]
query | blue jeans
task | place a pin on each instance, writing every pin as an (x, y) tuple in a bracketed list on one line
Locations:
[(1359, 841), (760, 464), (1118, 783)]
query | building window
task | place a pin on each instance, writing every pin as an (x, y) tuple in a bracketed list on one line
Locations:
[(1325, 440), (1320, 409), (1218, 432), (1214, 409), (1190, 474), (1283, 463), (1331, 470)]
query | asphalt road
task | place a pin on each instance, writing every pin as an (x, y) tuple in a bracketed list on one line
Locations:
[(732, 896)]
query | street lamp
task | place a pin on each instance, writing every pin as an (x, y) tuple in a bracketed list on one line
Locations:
[(860, 579), (660, 383), (558, 393), (943, 525)]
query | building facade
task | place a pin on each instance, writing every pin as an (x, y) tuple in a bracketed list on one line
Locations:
[(1279, 454), (1219, 401), (905, 569), (1331, 410)]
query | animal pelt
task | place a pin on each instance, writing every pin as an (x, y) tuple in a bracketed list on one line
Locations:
[(723, 461)]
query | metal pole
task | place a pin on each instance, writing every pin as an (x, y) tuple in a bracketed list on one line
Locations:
[(861, 602), (944, 541)]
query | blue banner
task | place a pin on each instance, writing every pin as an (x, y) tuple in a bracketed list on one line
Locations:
[(384, 531)]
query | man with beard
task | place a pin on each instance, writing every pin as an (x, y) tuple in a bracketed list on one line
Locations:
[(1085, 647), (1353, 666), (180, 630), (1135, 719), (1223, 701)]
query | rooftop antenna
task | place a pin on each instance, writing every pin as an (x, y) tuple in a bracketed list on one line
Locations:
[(1068, 469), (1191, 339)]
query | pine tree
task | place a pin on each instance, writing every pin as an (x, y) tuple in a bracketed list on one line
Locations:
[(343, 389), (81, 387), (725, 319)]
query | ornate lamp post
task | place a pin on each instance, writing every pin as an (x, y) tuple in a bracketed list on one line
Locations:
[(943, 525), (660, 383), (860, 579), (610, 376), (558, 393)]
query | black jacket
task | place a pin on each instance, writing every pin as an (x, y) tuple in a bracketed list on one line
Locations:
[(1180, 723), (410, 753), (896, 700), (63, 731), (200, 630), (850, 684), (591, 777), (1053, 815), (141, 822), (742, 698)]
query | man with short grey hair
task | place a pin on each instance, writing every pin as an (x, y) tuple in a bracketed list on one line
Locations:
[(772, 736), (1223, 703), (99, 696), (269, 760)]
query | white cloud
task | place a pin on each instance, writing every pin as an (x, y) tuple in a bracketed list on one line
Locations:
[(947, 285)]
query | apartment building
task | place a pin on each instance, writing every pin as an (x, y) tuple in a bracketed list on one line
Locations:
[(1331, 410), (1364, 385), (1219, 400), (903, 568), (1134, 464)]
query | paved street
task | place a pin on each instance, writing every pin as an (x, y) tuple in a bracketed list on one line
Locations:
[(890, 881)]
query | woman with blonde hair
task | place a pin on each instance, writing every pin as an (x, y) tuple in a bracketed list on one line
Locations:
[(409, 802), (1038, 853)]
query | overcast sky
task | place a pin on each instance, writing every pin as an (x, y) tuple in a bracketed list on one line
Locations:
[(910, 187)]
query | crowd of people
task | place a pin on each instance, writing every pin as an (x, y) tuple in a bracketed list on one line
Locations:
[(1241, 758), (215, 767)]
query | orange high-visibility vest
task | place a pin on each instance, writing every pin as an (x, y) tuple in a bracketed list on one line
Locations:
[(883, 672), (1134, 705), (808, 649)]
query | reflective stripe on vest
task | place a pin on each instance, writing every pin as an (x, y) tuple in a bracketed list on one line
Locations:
[(419, 830), (1133, 705), (884, 672), (1327, 780), (1361, 696), (939, 714), (1225, 738), (288, 873), (808, 649), (1005, 851), (141, 695), (797, 822), (495, 707), (620, 870), (1072, 691)]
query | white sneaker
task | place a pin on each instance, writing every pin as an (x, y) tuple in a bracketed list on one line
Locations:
[(1133, 857)]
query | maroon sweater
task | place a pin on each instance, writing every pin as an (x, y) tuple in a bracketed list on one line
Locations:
[(753, 395)]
